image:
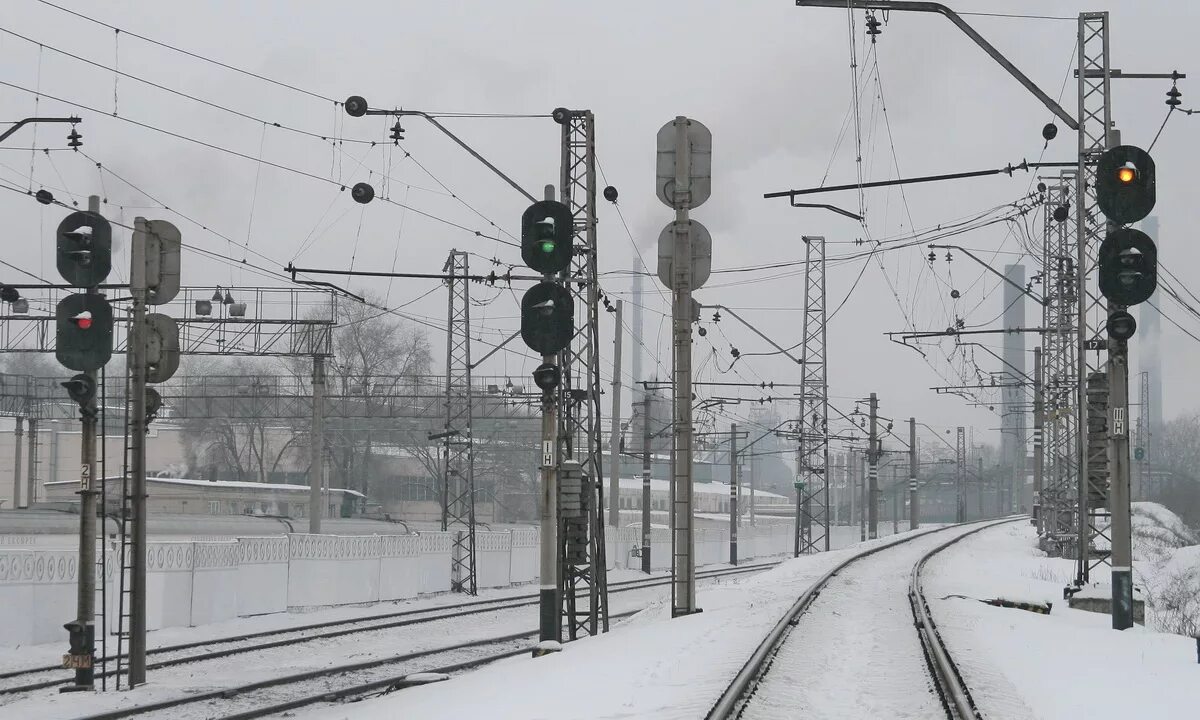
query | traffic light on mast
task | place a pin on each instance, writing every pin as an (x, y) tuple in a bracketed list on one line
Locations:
[(84, 249), (547, 317), (84, 337), (1125, 184), (547, 231)]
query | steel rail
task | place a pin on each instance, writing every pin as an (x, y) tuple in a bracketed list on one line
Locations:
[(952, 688), (363, 624), (742, 687)]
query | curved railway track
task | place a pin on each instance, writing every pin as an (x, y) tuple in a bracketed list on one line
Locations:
[(748, 694)]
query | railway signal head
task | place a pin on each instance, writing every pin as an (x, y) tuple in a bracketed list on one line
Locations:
[(84, 336), (547, 376), (81, 388), (547, 318), (1128, 263), (84, 249), (1125, 184), (1121, 326), (547, 231)]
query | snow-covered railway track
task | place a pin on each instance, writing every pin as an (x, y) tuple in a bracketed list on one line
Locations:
[(848, 647), (288, 692), (19, 682)]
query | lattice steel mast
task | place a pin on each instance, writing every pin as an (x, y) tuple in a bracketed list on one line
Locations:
[(812, 531), (1060, 369), (1095, 123), (582, 572), (458, 453)]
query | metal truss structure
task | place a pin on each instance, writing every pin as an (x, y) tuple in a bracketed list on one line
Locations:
[(1095, 122), (274, 322), (812, 532), (458, 459), (1144, 437), (960, 475), (583, 584), (1060, 368)]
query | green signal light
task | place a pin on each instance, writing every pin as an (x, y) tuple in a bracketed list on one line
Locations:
[(547, 246)]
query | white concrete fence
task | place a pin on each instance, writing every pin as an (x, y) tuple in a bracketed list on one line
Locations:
[(194, 583)]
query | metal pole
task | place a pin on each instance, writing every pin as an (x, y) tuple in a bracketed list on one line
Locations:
[(52, 464), (796, 485), (979, 484), (1039, 420), (895, 499), (753, 480), (733, 494), (646, 483), (137, 479), (860, 484), (914, 516), (851, 486), (549, 627), (873, 473), (83, 635), (614, 480), (1118, 462), (960, 505), (682, 562), (31, 474), (316, 467), (18, 448)]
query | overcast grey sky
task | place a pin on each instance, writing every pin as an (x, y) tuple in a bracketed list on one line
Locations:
[(771, 80)]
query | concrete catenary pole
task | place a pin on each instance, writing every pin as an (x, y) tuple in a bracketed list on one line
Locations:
[(316, 467), (683, 569), (733, 495), (137, 442), (549, 627), (614, 480), (31, 493), (960, 505), (18, 448), (1118, 463), (895, 499), (860, 488), (914, 515), (873, 472), (646, 467)]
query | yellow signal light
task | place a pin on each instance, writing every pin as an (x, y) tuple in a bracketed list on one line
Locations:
[(1126, 174)]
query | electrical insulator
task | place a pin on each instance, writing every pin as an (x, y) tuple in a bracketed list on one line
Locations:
[(1173, 96), (397, 133), (873, 27), (74, 139)]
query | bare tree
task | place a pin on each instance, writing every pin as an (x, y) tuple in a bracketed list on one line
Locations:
[(248, 440), (373, 349), (1177, 452)]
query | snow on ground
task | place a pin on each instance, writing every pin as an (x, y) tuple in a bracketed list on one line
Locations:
[(1158, 532), (1067, 664), (1167, 566), (648, 667), (251, 666), (16, 658), (855, 653)]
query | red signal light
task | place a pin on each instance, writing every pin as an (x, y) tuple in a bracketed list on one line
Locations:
[(83, 320)]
